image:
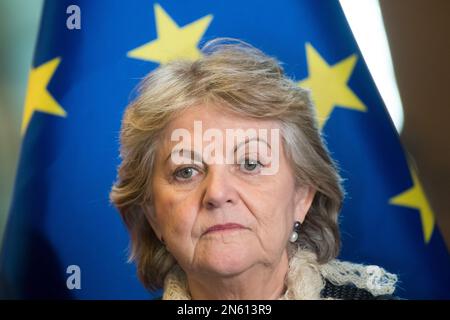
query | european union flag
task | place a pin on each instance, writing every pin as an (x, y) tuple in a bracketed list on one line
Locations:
[(65, 240)]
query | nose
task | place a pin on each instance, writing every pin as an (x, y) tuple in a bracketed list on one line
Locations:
[(220, 190)]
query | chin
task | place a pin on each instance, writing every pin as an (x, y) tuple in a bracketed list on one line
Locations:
[(227, 260)]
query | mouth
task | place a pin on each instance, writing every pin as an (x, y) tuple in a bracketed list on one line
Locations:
[(224, 227)]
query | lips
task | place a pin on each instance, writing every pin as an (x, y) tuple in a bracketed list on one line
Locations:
[(224, 227)]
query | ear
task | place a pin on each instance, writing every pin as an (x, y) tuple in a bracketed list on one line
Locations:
[(303, 199), (151, 218)]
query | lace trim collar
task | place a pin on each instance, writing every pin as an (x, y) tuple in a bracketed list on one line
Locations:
[(305, 279)]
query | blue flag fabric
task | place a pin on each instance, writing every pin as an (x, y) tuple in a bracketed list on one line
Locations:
[(61, 223)]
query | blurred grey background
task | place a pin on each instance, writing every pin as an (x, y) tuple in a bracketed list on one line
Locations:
[(418, 34), (19, 25), (419, 37)]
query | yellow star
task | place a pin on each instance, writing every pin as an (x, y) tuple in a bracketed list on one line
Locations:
[(328, 84), (415, 198), (38, 98), (173, 42)]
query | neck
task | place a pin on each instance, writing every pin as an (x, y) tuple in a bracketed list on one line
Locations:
[(260, 282)]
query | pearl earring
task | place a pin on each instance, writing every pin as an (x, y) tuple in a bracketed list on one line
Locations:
[(294, 235)]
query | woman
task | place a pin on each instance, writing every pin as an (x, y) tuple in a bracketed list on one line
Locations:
[(227, 188)]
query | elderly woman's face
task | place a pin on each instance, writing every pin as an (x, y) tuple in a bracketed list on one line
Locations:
[(218, 217)]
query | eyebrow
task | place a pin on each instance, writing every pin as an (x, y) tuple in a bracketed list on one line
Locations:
[(193, 154), (248, 140)]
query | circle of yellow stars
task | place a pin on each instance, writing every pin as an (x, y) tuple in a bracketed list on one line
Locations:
[(328, 83)]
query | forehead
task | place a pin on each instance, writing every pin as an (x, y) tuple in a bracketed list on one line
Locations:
[(216, 117)]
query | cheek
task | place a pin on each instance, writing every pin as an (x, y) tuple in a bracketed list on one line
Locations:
[(272, 204), (176, 214), (274, 221)]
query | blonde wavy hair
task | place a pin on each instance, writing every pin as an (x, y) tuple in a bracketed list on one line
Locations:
[(242, 80)]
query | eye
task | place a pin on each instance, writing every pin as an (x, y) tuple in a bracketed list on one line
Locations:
[(252, 166), (185, 173)]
